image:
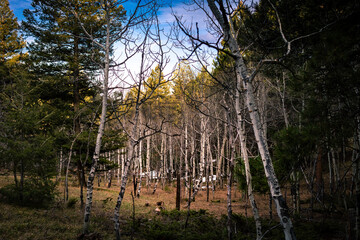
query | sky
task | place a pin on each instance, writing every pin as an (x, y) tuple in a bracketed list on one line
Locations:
[(166, 19)]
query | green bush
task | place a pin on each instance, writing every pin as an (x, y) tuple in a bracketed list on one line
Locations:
[(71, 202), (35, 193)]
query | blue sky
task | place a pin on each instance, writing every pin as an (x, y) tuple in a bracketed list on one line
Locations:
[(165, 16), (18, 7)]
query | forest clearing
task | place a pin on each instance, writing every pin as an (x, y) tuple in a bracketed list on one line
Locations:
[(193, 119), (62, 220)]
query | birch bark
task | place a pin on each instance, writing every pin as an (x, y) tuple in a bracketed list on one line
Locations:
[(245, 157), (171, 158), (130, 157), (186, 155), (95, 159), (198, 183), (220, 172), (230, 176), (140, 168), (243, 78), (148, 161), (118, 163)]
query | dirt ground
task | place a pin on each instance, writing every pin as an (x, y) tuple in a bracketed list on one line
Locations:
[(146, 203), (67, 221), (217, 204)]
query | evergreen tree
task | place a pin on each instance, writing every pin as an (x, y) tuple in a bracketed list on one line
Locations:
[(10, 41), (66, 61)]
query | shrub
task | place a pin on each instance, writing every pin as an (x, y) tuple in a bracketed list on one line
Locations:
[(35, 193), (71, 202)]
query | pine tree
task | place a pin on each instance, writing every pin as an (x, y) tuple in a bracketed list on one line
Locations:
[(10, 41), (66, 60)]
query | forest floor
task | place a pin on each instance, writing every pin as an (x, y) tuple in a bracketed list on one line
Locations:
[(207, 219)]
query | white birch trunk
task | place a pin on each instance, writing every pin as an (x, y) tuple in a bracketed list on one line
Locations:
[(198, 183), (158, 177), (186, 155), (243, 77), (229, 177), (123, 152), (148, 161), (118, 163), (60, 164), (130, 158), (171, 158), (219, 172), (163, 159), (140, 169), (248, 176), (193, 158), (211, 166), (245, 157), (95, 159), (109, 175)]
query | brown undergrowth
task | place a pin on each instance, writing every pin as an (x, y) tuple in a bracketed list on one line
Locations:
[(64, 220)]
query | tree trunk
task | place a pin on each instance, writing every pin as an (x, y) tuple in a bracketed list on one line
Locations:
[(67, 169), (193, 158), (178, 190), (123, 152), (198, 183), (100, 133), (243, 78), (186, 154), (61, 160), (220, 166), (163, 159), (248, 176), (148, 162), (171, 158), (230, 176), (130, 158), (140, 169)]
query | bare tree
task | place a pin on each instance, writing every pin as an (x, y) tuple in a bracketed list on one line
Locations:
[(223, 12), (112, 13), (149, 57)]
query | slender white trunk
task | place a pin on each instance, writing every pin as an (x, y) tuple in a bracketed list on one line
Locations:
[(95, 159), (218, 164), (130, 158), (193, 158), (123, 152), (243, 78), (171, 158), (274, 185), (186, 155), (148, 161), (248, 176), (159, 175), (211, 166), (61, 160), (229, 177), (118, 163), (210, 156), (198, 183), (109, 175), (219, 172), (163, 158), (140, 168)]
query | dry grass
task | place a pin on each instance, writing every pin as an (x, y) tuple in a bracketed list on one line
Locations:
[(62, 222)]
